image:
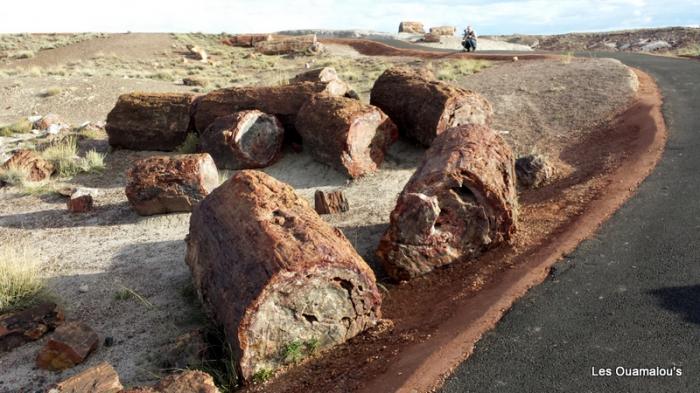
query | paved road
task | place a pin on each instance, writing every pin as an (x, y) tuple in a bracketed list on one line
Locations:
[(630, 297)]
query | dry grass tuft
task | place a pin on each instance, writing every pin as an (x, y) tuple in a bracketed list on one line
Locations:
[(20, 127), (452, 70), (93, 161), (20, 281), (190, 145), (14, 175), (52, 91), (64, 156)]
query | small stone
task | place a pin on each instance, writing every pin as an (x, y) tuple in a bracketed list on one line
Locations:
[(533, 170), (109, 341), (69, 346), (188, 351), (330, 202), (81, 200), (83, 288), (46, 122)]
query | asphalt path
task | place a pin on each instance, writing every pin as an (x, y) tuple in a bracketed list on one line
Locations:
[(627, 299)]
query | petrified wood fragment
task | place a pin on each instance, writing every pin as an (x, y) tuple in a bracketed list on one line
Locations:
[(70, 345), (166, 184), (422, 107), (38, 168), (323, 74), (272, 273), (244, 140), (329, 202), (149, 121), (99, 379), (28, 325), (460, 201), (345, 134), (282, 101)]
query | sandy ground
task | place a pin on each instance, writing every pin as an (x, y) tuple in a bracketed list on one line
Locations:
[(112, 247), (483, 44)]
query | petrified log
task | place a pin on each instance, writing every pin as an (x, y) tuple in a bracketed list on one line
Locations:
[(246, 40), (345, 134), (70, 345), (244, 140), (28, 325), (38, 168), (281, 101), (411, 27), (443, 30), (423, 108), (150, 121), (99, 379), (324, 74), (330, 202), (307, 44), (272, 273), (460, 201), (431, 37), (166, 184)]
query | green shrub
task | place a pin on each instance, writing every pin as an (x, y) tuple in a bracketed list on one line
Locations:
[(190, 144)]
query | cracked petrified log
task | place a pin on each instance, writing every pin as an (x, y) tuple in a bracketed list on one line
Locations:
[(345, 134), (98, 379), (167, 184), (306, 44), (28, 325), (244, 140), (37, 168), (411, 27), (443, 30), (272, 273), (460, 201), (150, 121), (422, 107), (246, 40), (281, 101), (330, 202)]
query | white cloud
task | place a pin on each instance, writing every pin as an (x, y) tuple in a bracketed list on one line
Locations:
[(489, 17)]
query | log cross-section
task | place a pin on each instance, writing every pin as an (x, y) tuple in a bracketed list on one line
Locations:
[(273, 273)]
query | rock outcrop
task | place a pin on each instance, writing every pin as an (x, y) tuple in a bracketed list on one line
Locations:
[(422, 107), (168, 184), (460, 201), (271, 272)]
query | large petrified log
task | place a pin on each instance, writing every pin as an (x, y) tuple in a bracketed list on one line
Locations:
[(273, 274), (244, 140), (460, 201), (98, 379), (411, 27), (346, 134), (306, 44), (281, 101), (443, 30), (246, 40), (166, 184), (423, 108), (28, 325), (150, 121)]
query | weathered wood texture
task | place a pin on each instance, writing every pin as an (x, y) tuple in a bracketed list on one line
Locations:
[(460, 201), (69, 346), (305, 44), (166, 184), (27, 325), (98, 379), (271, 272), (37, 168), (246, 40), (422, 107), (345, 134), (411, 27), (150, 121), (281, 101), (443, 30), (244, 140), (330, 202)]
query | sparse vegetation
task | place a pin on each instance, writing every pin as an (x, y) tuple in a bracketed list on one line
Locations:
[(20, 127), (64, 156), (693, 50), (126, 293), (190, 144), (20, 281), (262, 375), (24, 54), (292, 352), (453, 70), (51, 91), (14, 175), (93, 161)]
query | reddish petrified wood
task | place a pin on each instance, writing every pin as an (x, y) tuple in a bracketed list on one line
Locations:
[(306, 44), (38, 168), (150, 121), (346, 134), (282, 101), (330, 202), (246, 40), (28, 325), (271, 272), (98, 379), (244, 140), (323, 74), (460, 201), (70, 345), (422, 107), (166, 184)]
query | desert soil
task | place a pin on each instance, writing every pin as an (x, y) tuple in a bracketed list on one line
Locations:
[(549, 106)]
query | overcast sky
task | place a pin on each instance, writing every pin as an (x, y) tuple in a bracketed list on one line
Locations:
[(237, 16)]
